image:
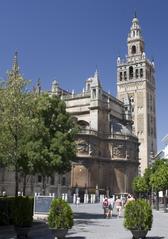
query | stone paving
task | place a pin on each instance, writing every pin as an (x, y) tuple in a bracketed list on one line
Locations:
[(90, 224)]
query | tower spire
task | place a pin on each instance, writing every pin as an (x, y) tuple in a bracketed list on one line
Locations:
[(96, 78), (136, 86), (135, 39), (15, 66)]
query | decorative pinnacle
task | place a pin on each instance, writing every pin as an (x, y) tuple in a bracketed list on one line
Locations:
[(15, 66), (38, 86)]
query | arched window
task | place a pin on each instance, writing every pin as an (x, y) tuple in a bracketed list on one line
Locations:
[(131, 72), (63, 181), (88, 87), (120, 76), (83, 124), (125, 75), (133, 49), (136, 73), (52, 180), (94, 93), (141, 73)]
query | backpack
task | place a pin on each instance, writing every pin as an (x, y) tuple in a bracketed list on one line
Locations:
[(105, 203)]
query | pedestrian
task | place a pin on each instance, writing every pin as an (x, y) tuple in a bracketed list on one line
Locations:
[(129, 199), (118, 204), (110, 206), (105, 207)]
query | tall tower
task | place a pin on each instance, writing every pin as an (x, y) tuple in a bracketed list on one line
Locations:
[(136, 81)]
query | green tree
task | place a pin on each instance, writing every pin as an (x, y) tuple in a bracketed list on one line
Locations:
[(139, 185), (15, 121), (159, 178), (51, 147)]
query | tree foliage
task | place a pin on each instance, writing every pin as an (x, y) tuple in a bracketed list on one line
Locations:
[(15, 121), (159, 177), (36, 132), (51, 147), (139, 185)]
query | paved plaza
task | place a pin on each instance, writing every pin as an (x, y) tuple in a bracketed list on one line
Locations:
[(90, 224)]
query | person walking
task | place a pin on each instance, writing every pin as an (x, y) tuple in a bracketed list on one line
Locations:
[(105, 207), (118, 204), (110, 206), (129, 199)]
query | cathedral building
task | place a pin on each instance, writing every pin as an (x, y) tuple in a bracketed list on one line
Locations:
[(107, 150), (117, 135), (136, 84)]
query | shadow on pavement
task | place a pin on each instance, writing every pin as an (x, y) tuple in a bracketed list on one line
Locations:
[(76, 237), (155, 237), (82, 215)]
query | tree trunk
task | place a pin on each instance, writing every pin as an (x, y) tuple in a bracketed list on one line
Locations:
[(157, 201), (165, 201), (24, 184), (16, 181)]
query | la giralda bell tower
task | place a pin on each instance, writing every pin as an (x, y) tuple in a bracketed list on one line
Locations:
[(136, 88)]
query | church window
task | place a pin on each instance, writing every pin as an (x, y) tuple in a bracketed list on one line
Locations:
[(94, 93), (63, 181), (120, 76), (131, 100), (131, 72), (52, 181), (136, 73), (125, 75), (88, 87), (133, 49), (39, 178), (141, 72)]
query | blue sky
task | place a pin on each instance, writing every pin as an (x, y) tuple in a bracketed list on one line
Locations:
[(66, 39)]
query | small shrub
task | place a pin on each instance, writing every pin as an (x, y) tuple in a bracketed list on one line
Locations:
[(138, 215), (23, 211), (60, 214)]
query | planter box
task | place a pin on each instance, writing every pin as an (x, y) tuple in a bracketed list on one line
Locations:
[(59, 233), (139, 233)]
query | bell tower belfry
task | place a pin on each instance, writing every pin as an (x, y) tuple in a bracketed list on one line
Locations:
[(136, 81)]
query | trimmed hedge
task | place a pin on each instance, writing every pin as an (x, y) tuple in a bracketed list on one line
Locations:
[(138, 215), (60, 215), (23, 211), (11, 208)]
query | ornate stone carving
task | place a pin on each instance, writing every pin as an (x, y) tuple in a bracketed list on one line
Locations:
[(92, 149), (82, 146), (118, 151)]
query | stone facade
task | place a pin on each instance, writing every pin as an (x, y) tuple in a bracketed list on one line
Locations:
[(136, 85), (107, 150)]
